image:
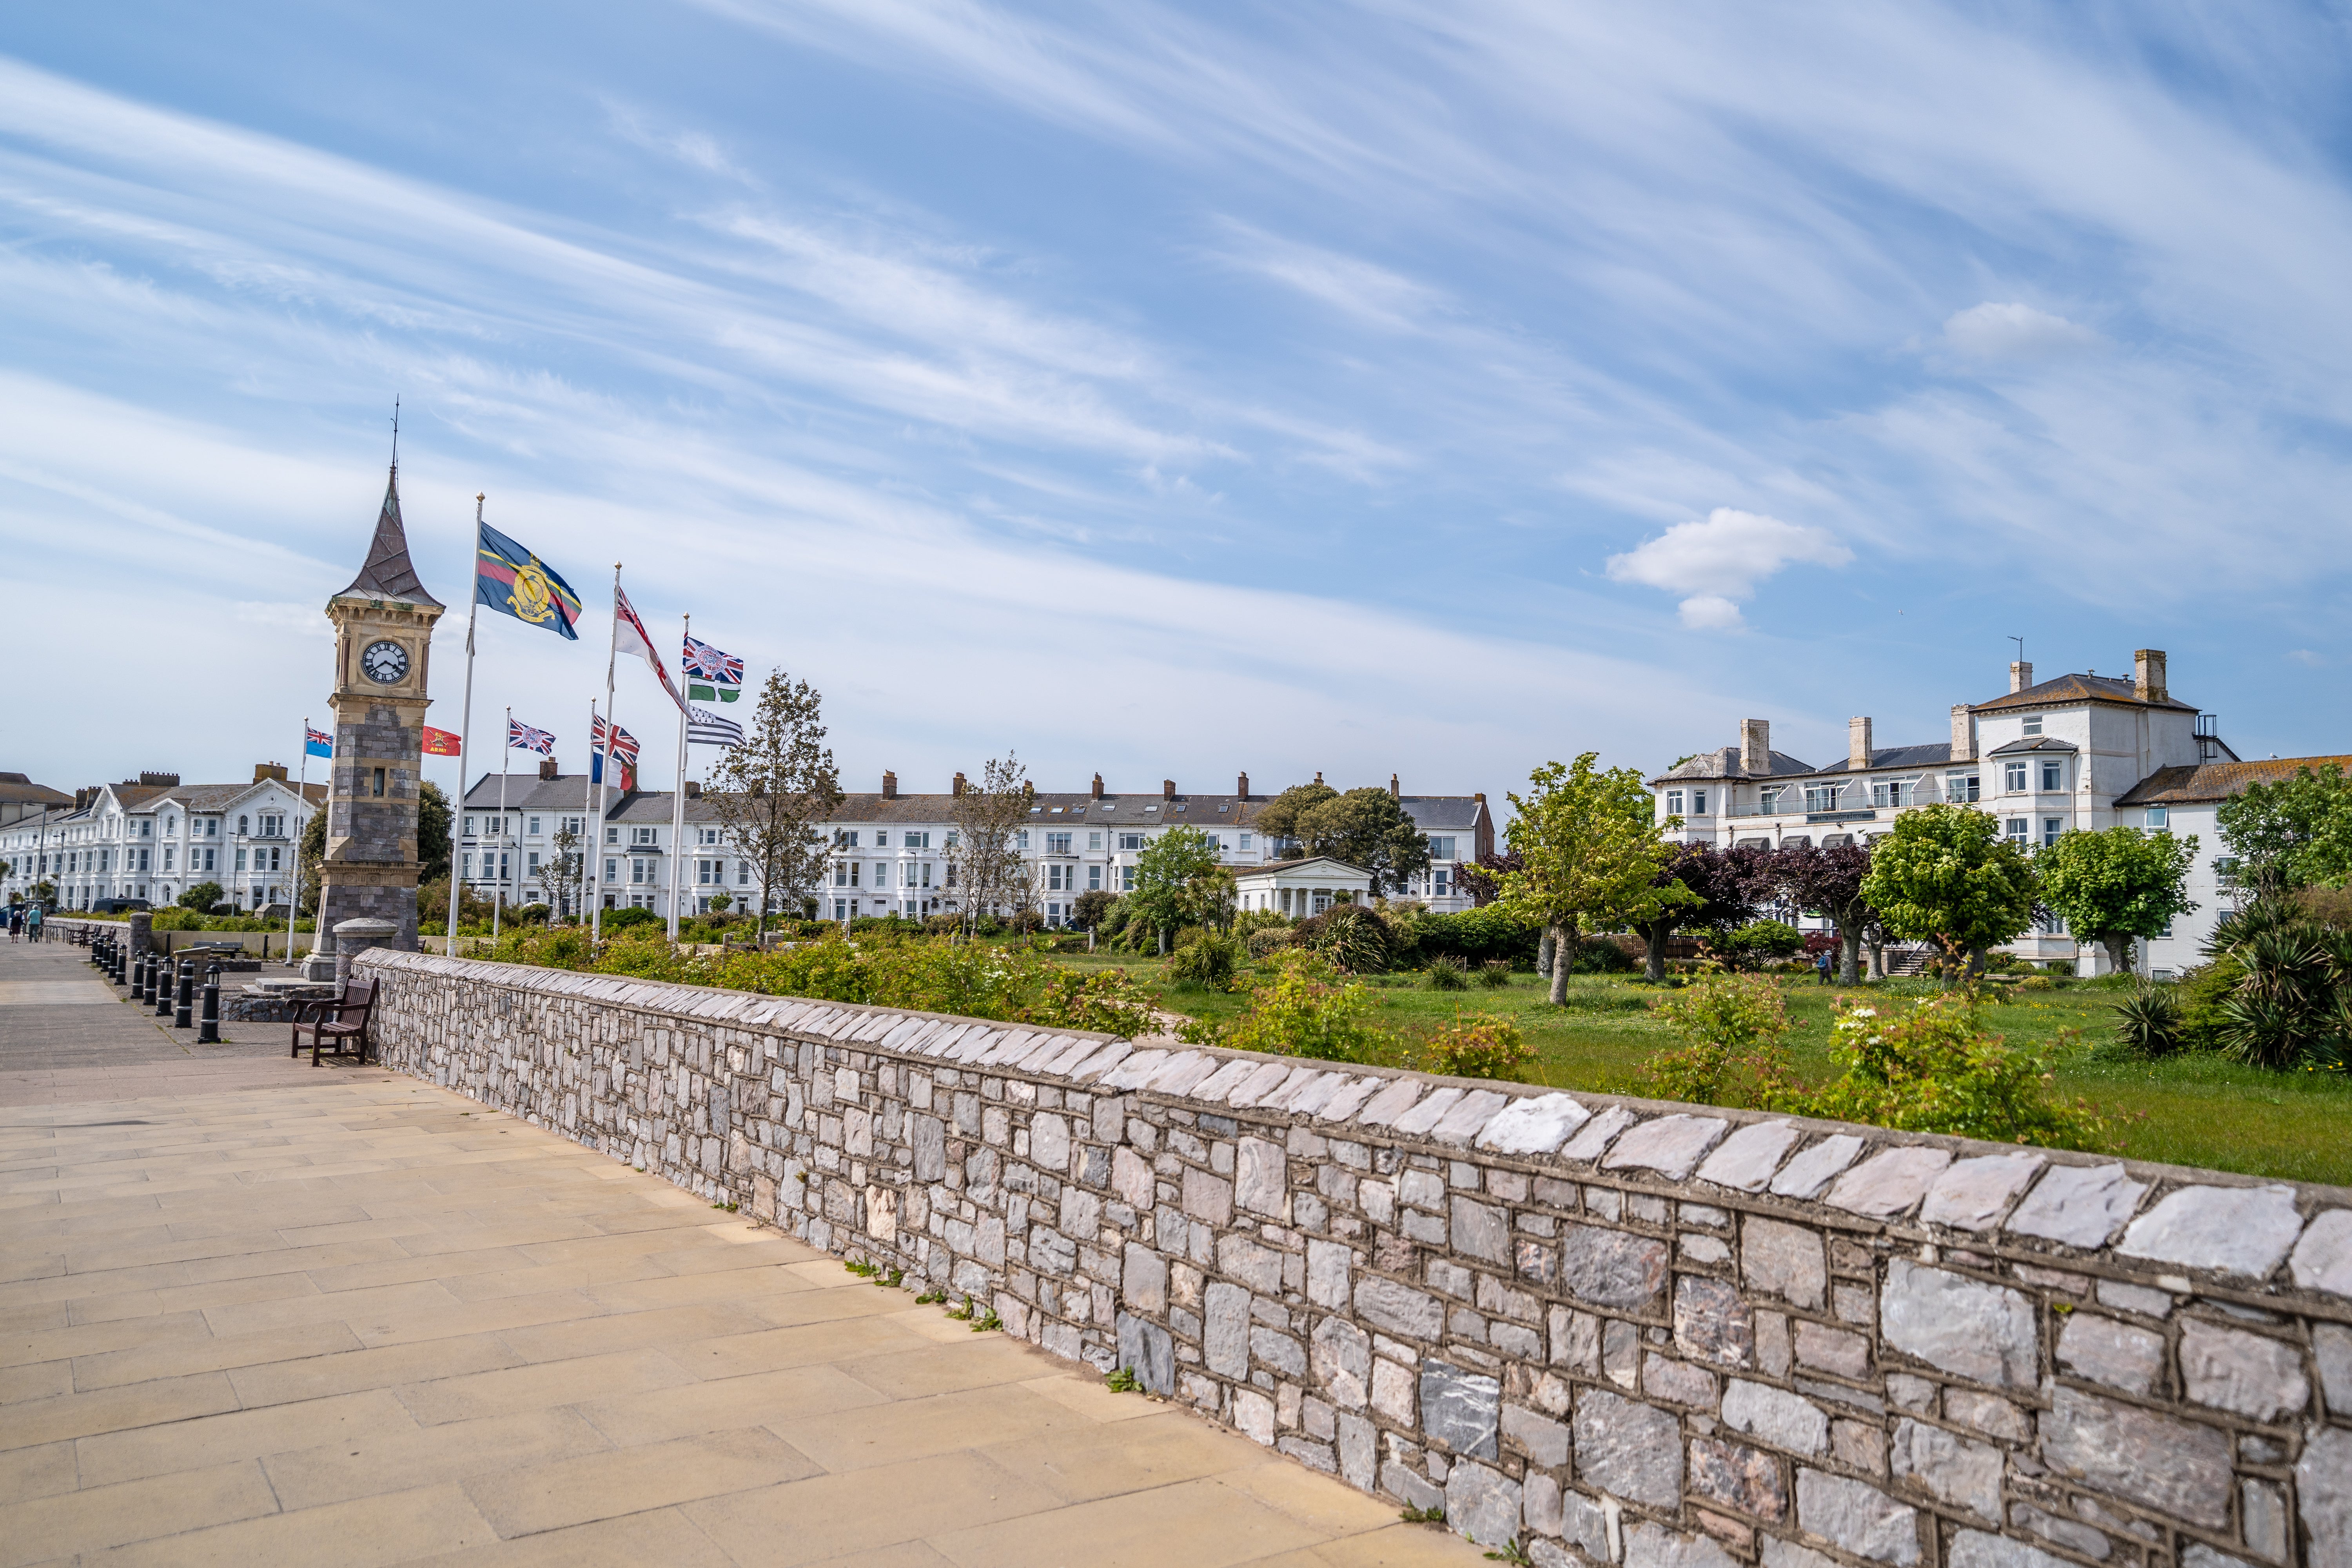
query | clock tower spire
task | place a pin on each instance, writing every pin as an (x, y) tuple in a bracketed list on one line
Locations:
[(384, 642)]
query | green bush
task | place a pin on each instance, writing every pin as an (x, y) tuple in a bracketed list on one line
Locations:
[(1759, 942), (2147, 1022), (1013, 984), (1475, 936), (1494, 974), (1349, 937), (1733, 1052), (1303, 1008), (1932, 1068), (1599, 955), (622, 920), (1269, 939), (1210, 959), (1483, 1045), (202, 897), (1446, 972)]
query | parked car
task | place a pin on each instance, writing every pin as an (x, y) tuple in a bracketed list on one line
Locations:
[(117, 906)]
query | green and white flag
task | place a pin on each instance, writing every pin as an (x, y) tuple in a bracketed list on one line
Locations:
[(710, 676)]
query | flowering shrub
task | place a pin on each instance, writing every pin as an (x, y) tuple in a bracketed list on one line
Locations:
[(1734, 1054), (1010, 985), (1932, 1068), (1302, 1008), (1483, 1045)]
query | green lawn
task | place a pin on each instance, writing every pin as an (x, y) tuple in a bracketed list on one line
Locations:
[(2191, 1109)]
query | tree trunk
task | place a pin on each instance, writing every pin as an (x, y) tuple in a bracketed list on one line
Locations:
[(1544, 952), (1163, 942), (1975, 962), (1654, 971), (1563, 945), (1878, 961), (1850, 954), (2119, 945)]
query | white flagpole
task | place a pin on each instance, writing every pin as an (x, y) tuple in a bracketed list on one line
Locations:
[(464, 729), (302, 793), (604, 780), (592, 841), (677, 804), (498, 893)]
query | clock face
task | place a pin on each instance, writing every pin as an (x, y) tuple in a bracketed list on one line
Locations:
[(385, 663)]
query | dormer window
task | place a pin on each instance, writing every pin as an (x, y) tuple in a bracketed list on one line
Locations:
[(2033, 724)]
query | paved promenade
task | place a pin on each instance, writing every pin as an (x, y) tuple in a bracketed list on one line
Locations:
[(253, 1312)]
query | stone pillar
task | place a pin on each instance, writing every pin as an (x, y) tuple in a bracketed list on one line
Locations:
[(142, 931), (354, 937)]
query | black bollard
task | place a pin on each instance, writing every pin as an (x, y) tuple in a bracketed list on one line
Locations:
[(208, 1028), (143, 981), (162, 985), (184, 1013)]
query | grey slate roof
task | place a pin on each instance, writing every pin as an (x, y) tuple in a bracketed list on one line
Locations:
[(1933, 756), (1723, 762), (2035, 743), (16, 788), (387, 574), (2065, 688)]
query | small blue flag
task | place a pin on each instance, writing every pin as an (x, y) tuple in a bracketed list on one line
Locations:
[(317, 742)]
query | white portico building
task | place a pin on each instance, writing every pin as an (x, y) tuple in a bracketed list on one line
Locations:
[(1302, 888)]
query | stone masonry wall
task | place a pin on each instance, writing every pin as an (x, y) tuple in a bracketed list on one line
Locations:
[(1617, 1331)]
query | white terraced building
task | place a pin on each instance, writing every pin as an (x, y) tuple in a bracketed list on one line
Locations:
[(891, 851), (154, 837), (2083, 751)]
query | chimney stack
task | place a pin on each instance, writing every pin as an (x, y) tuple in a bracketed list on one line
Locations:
[(1241, 788), (889, 784), (1094, 791), (957, 787), (1318, 775), (547, 769), (1964, 734), (1395, 793), (1756, 747), (1857, 743), (1168, 789), (693, 789), (2020, 674), (2147, 675)]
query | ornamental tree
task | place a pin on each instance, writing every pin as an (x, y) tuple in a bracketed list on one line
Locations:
[(770, 792), (1828, 882), (2291, 833), (2117, 885), (1724, 884), (1165, 895), (1590, 848), (1946, 875)]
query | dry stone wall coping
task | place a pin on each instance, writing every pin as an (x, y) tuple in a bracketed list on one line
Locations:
[(1613, 1331)]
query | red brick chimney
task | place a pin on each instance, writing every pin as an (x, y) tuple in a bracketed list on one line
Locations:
[(1395, 793), (957, 787), (889, 786), (1168, 789), (1241, 788), (1096, 794)]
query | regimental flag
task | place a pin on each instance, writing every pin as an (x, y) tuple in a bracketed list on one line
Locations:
[(510, 579), (704, 728), (319, 743), (629, 637), (439, 742), (521, 737), (711, 674)]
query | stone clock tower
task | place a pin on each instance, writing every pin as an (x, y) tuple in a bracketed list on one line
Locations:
[(384, 636)]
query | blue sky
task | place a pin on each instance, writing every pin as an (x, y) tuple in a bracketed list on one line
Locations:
[(1171, 392)]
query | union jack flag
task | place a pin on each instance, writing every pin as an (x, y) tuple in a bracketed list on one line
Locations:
[(624, 745), (521, 737), (317, 742), (707, 663)]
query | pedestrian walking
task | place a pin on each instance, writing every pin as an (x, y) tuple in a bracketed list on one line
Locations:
[(1822, 966), (32, 923), (15, 921)]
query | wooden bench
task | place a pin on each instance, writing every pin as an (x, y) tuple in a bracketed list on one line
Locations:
[(331, 1022)]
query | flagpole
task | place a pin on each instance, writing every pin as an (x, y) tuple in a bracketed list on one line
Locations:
[(465, 726), (318, 927), (587, 806), (498, 893), (605, 777), (677, 806), (302, 793)]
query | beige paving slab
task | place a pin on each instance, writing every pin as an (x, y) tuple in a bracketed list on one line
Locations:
[(458, 1451), (36, 1380), (385, 1366), (36, 1472), (542, 1384), (96, 1518), (238, 1435), (164, 1400), (833, 1516), (683, 1329), (728, 1403), (366, 1532), (631, 1481), (661, 1536), (183, 1358), (1193, 1524)]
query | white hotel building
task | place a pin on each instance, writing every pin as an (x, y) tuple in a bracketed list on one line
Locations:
[(891, 851), (2077, 751), (154, 837)]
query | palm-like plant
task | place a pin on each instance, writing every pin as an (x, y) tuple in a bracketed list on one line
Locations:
[(2286, 1009)]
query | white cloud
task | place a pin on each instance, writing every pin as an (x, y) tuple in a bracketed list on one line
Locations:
[(1995, 331), (1719, 560)]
